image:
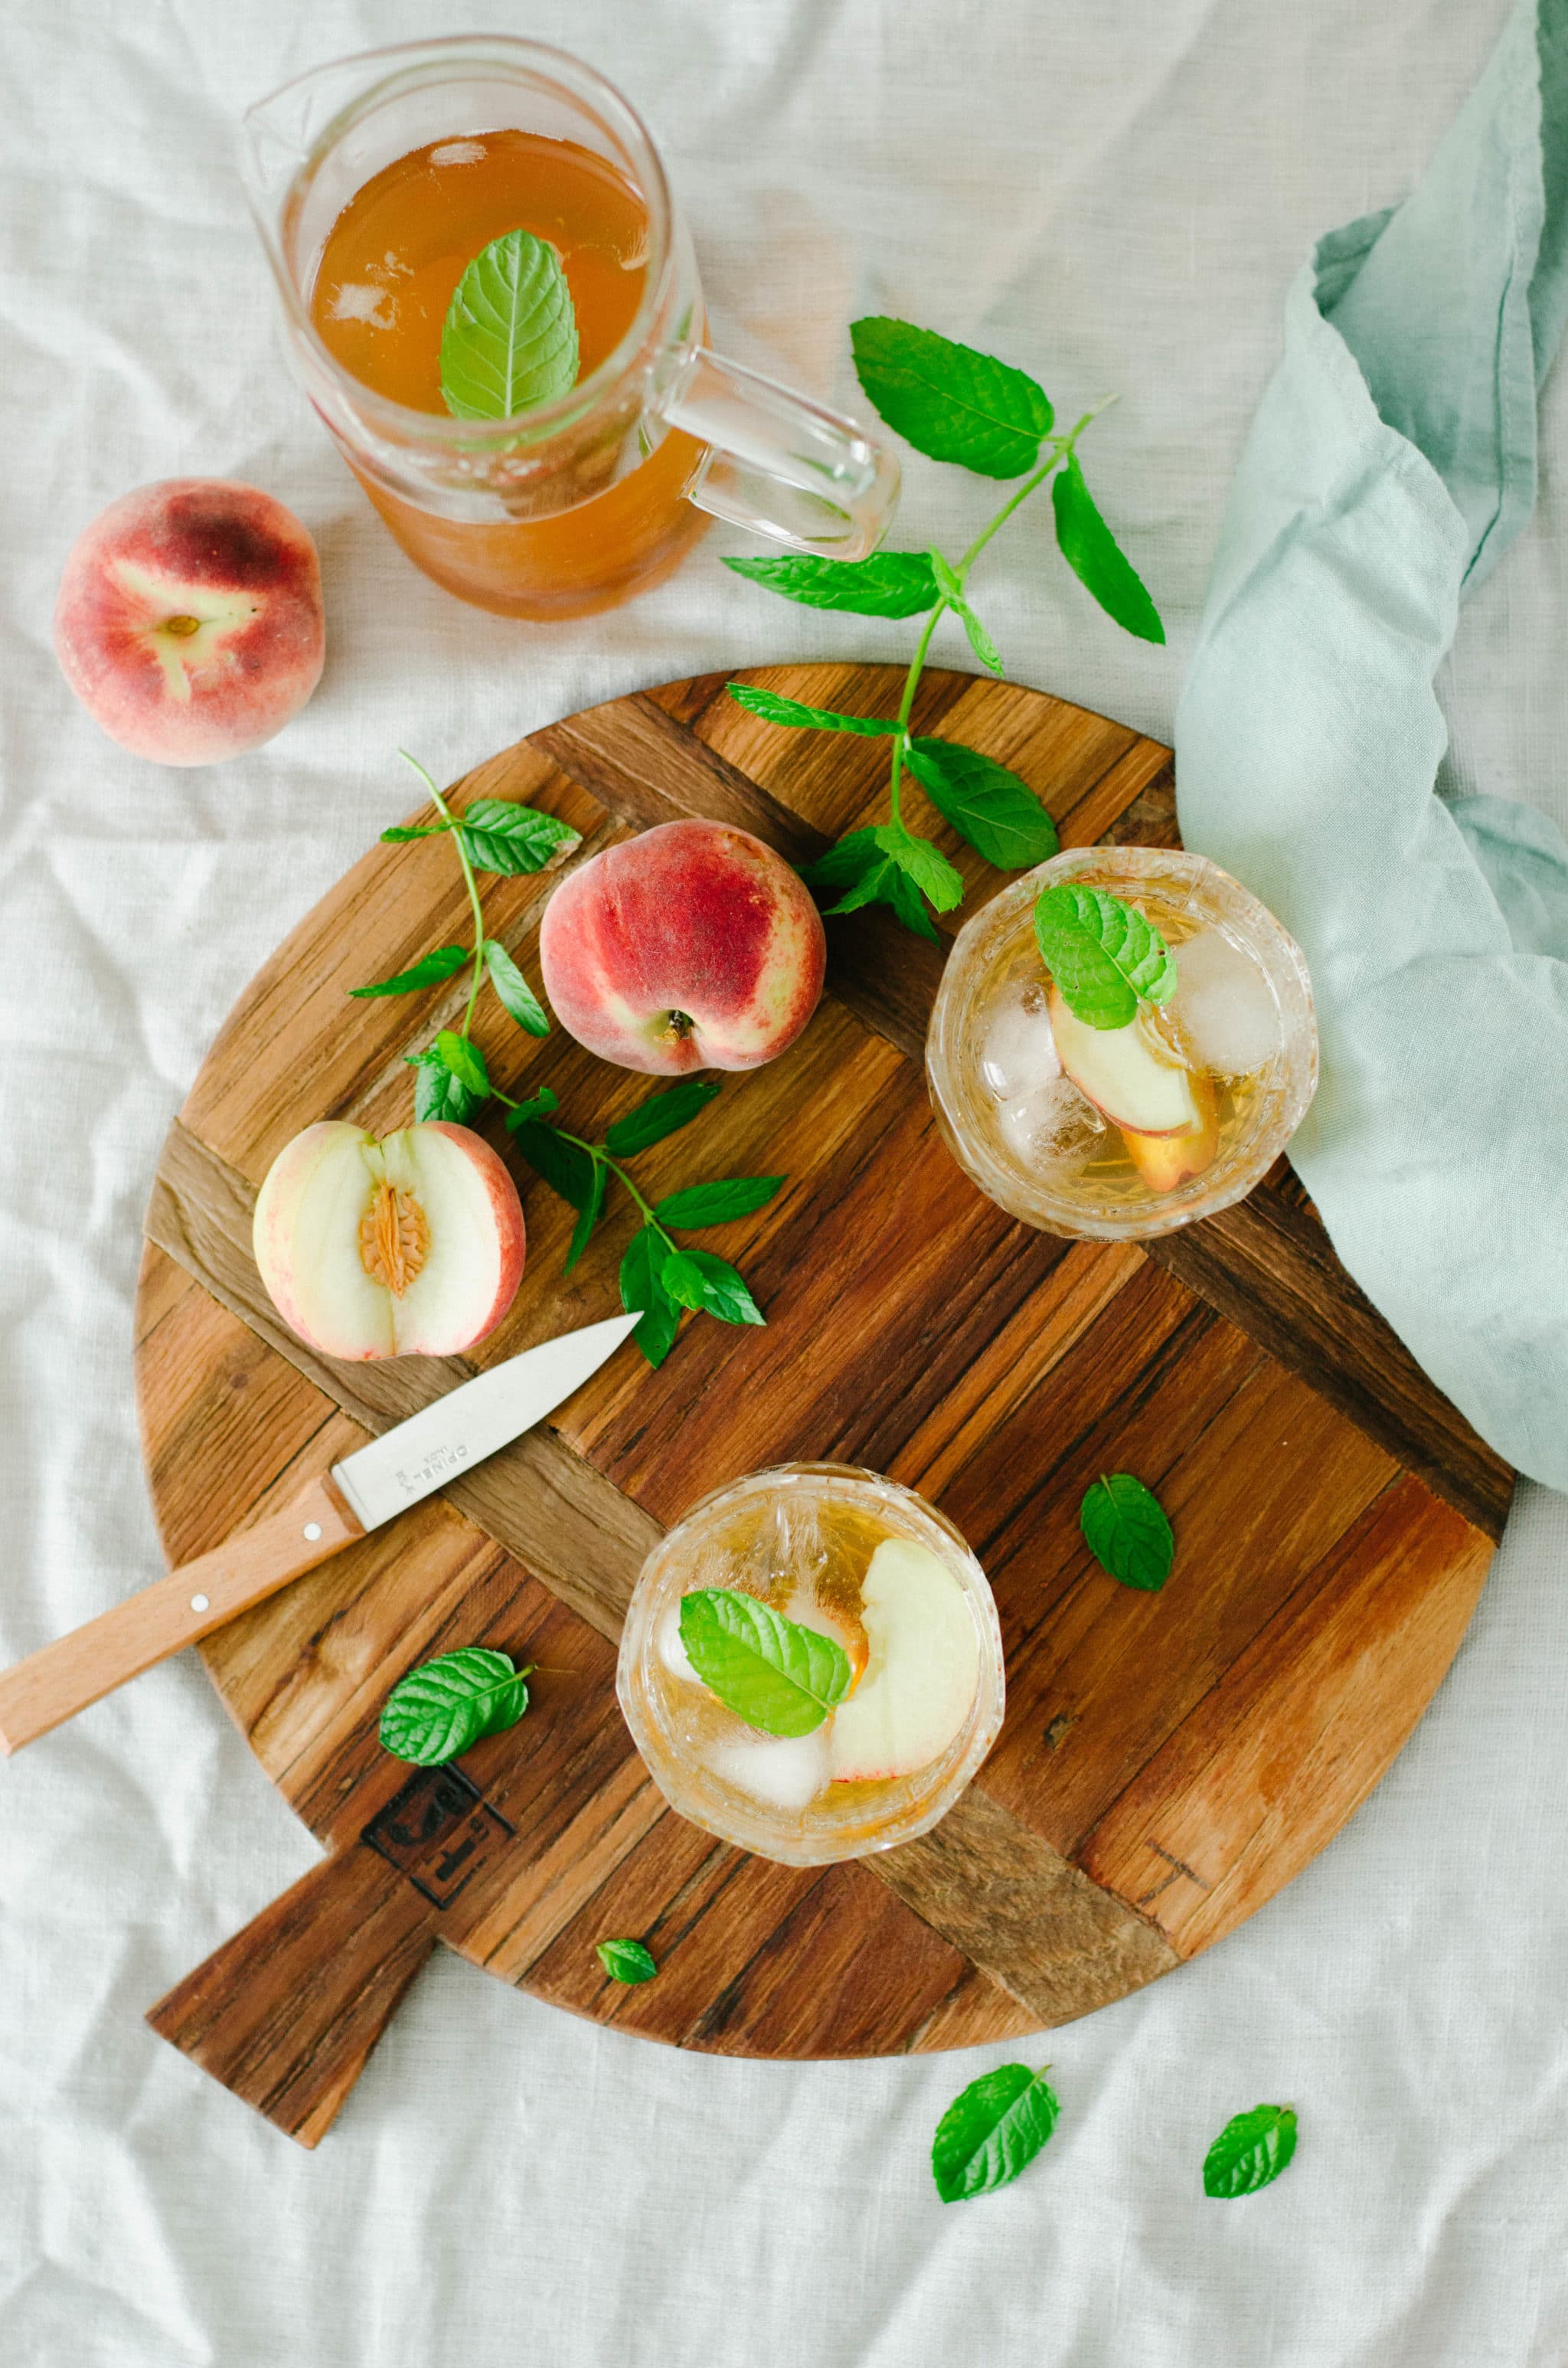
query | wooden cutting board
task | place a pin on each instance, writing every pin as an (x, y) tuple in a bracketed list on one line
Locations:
[(1168, 1761)]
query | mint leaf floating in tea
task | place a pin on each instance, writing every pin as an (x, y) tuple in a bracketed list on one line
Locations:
[(1101, 566), (986, 803), (993, 2129), (949, 401), (773, 708), (510, 338), (1250, 2151), (658, 1279), (1104, 956), (889, 583), (440, 1710), (1125, 1528), (432, 971), (780, 1677), (626, 1960), (956, 405)]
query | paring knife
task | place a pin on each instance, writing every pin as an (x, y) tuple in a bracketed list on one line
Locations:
[(335, 1508)]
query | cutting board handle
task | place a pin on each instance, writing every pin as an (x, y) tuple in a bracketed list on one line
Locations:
[(286, 2013), (53, 1684)]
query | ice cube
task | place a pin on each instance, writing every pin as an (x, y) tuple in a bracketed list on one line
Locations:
[(1055, 1128), (1017, 1053), (1223, 1012), (786, 1771)]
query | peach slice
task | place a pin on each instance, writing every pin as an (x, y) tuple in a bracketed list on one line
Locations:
[(922, 1673), (1166, 1113), (1163, 1161), (189, 620), (411, 1246)]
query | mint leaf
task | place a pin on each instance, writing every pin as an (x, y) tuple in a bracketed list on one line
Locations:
[(641, 1288), (1126, 1532), (992, 808), (889, 583), (992, 2130), (901, 893), (845, 860), (428, 972), (516, 995), (1102, 954), (873, 886), (948, 401), (660, 1115), (1097, 559), (588, 1215), (566, 1168), (696, 1279), (544, 1102), (952, 592), (437, 1711), (503, 835), (465, 1060), (438, 1094), (715, 1204), (774, 709), (870, 876), (510, 337), (1251, 2151), (626, 1960), (777, 1676), (937, 879), (404, 830)]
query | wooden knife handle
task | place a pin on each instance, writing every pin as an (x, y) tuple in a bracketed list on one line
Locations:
[(54, 1684), (286, 2013)]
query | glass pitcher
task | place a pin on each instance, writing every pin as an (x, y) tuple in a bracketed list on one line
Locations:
[(582, 500)]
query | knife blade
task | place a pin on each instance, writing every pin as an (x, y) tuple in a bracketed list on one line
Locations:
[(366, 1489)]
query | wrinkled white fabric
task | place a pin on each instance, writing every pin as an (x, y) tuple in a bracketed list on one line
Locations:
[(1118, 198)]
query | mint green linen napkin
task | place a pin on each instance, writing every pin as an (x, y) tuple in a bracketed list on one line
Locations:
[(1391, 461)]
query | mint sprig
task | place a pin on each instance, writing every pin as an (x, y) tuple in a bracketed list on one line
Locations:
[(659, 1279), (969, 408), (1250, 2151), (437, 1711), (779, 1677), (499, 835), (992, 2131), (509, 341), (1105, 957)]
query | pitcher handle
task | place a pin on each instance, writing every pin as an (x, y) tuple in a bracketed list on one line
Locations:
[(778, 465)]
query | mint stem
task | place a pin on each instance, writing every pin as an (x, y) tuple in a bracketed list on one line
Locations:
[(451, 822)]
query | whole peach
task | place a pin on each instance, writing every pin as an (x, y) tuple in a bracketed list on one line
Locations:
[(189, 620), (692, 946)]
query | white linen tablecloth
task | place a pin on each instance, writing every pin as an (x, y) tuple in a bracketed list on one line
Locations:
[(1118, 198)]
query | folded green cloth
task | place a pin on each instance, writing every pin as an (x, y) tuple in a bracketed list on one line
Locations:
[(1391, 461)]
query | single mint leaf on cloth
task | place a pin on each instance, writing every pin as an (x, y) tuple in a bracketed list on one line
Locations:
[(992, 2130), (773, 708), (1250, 2151), (438, 1094), (465, 1060), (642, 1292), (502, 834), (516, 995), (889, 583), (660, 1115), (777, 1676), (952, 591), (566, 1168), (992, 808), (1102, 954), (1097, 559), (588, 1215), (715, 1204), (430, 972), (696, 1279), (925, 864), (440, 1710), (1125, 1527), (626, 1960), (949, 401), (510, 338)]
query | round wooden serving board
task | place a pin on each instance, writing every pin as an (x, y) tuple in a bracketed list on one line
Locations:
[(1168, 1761)]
